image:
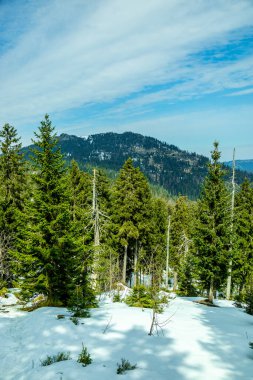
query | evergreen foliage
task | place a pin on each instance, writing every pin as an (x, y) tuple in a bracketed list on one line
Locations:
[(51, 254), (181, 245), (12, 196), (65, 233), (243, 226), (212, 227), (124, 366), (61, 356), (131, 214), (84, 357)]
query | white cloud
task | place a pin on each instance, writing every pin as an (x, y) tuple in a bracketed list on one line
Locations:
[(72, 53), (246, 91)]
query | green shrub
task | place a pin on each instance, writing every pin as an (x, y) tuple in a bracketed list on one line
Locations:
[(61, 356), (140, 297), (146, 298), (75, 320), (80, 313), (124, 366), (79, 303), (84, 357), (3, 292), (116, 297), (249, 302), (251, 345)]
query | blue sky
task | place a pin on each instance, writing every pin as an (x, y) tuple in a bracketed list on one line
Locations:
[(177, 70)]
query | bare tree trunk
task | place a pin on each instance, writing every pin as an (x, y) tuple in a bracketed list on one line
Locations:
[(229, 278), (167, 254), (175, 281), (110, 271), (124, 266), (135, 264), (152, 322), (210, 296)]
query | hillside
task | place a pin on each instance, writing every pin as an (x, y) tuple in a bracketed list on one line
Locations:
[(178, 171), (246, 165), (193, 341)]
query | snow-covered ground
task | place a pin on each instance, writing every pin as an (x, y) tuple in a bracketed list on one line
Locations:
[(196, 342)]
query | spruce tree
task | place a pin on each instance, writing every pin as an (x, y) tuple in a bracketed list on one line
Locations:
[(243, 226), (50, 253), (181, 245), (131, 214), (12, 195), (212, 227)]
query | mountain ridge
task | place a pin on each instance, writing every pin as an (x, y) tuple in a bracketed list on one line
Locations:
[(178, 171), (245, 165)]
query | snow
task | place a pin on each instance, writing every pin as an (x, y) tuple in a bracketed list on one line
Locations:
[(196, 342)]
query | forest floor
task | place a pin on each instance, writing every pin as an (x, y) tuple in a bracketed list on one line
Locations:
[(194, 342)]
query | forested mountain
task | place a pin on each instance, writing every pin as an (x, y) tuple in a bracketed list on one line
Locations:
[(246, 165), (178, 171), (66, 232)]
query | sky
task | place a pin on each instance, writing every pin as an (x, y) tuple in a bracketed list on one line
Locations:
[(177, 70)]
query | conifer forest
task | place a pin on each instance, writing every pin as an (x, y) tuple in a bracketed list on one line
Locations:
[(71, 235)]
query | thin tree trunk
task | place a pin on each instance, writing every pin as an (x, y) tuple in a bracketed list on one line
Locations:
[(110, 271), (175, 281), (152, 323), (167, 254), (135, 264), (229, 278), (124, 266), (210, 296)]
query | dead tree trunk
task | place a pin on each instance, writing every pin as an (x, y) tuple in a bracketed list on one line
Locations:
[(175, 281), (167, 254), (229, 278), (124, 266)]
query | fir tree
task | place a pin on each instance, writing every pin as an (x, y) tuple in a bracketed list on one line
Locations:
[(212, 228), (50, 253), (12, 194), (243, 258), (131, 213)]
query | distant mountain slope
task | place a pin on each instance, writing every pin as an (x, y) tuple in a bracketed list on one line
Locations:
[(178, 171), (246, 165)]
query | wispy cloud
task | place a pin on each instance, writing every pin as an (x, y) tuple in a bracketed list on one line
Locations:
[(69, 54), (246, 91)]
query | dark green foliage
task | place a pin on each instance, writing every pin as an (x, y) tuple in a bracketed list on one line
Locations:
[(140, 297), (251, 345), (61, 356), (12, 195), (179, 172), (181, 244), (243, 244), (116, 297), (131, 213), (249, 301), (145, 297), (124, 366), (75, 320), (84, 357), (50, 253), (79, 302), (212, 234)]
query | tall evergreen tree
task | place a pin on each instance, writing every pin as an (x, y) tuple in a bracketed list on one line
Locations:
[(12, 194), (180, 241), (50, 252), (243, 225), (212, 229), (131, 214)]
